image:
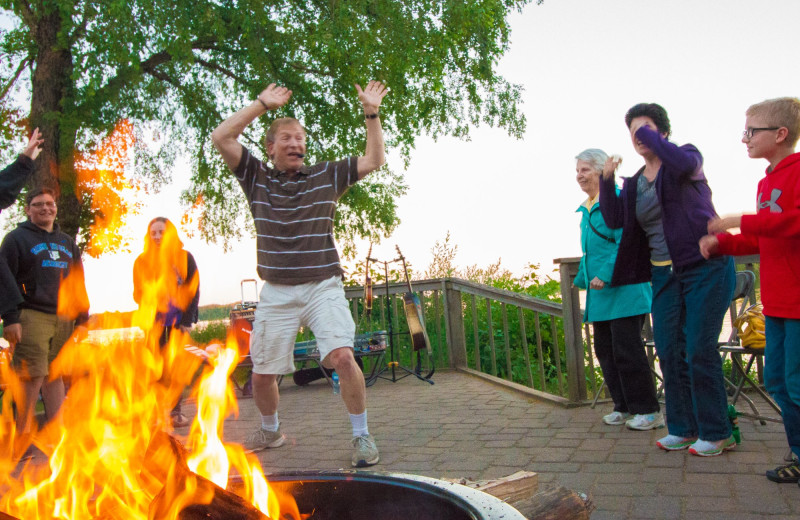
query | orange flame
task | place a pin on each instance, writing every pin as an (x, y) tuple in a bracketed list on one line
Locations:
[(122, 386), (101, 176)]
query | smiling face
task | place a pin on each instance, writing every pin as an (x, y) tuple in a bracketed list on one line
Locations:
[(763, 143), (42, 211), (588, 178), (288, 147)]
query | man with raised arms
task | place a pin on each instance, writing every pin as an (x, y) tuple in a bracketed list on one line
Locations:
[(293, 206)]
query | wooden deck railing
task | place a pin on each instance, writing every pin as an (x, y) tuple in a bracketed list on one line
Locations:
[(531, 344)]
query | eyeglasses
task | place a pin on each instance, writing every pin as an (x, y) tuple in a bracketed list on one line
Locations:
[(748, 134), (48, 204)]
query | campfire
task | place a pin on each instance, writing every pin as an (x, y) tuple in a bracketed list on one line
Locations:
[(111, 454)]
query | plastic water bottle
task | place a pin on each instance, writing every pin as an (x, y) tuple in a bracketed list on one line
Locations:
[(335, 382)]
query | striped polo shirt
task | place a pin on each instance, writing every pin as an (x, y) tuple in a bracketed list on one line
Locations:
[(294, 218)]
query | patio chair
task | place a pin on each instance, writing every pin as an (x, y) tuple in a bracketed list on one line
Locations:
[(734, 349)]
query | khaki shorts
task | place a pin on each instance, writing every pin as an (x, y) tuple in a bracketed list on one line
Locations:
[(43, 335), (283, 309)]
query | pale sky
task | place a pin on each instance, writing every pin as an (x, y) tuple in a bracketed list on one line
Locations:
[(582, 63)]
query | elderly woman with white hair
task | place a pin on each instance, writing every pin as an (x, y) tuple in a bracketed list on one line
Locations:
[(617, 313)]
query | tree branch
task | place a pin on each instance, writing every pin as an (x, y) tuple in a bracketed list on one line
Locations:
[(27, 15), (16, 76), (302, 68), (221, 70)]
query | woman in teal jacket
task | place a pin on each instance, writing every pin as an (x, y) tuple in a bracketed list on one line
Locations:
[(617, 313)]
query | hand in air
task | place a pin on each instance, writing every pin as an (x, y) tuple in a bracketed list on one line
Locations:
[(34, 146), (372, 96), (274, 96), (611, 165)]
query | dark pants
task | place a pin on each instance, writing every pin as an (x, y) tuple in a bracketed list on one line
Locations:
[(688, 309), (782, 374), (620, 351)]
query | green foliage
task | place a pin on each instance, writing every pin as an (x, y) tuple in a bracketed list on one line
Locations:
[(214, 312), (180, 67), (216, 331)]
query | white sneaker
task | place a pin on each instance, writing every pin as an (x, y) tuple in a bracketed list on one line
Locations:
[(648, 421), (703, 448), (615, 418)]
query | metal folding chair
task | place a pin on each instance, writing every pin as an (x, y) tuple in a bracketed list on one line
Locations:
[(740, 376)]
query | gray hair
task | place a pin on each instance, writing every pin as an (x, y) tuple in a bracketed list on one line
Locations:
[(594, 156)]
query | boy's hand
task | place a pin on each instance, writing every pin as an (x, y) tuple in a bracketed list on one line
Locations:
[(708, 246), (718, 225)]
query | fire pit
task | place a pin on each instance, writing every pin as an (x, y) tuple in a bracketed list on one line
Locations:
[(364, 495)]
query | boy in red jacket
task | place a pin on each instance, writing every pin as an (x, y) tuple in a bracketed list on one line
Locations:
[(771, 132)]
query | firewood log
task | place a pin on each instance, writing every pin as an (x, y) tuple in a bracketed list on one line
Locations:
[(165, 465), (556, 503)]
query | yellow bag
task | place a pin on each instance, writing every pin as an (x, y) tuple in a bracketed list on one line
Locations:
[(750, 327)]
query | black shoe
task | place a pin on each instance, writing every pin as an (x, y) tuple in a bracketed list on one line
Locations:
[(788, 473)]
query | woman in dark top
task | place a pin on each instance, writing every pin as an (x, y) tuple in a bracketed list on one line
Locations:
[(165, 279), (663, 211)]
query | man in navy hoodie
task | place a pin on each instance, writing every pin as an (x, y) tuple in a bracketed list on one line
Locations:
[(12, 179), (39, 256)]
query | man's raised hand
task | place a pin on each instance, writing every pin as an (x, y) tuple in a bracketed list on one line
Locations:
[(372, 96), (34, 146), (273, 97)]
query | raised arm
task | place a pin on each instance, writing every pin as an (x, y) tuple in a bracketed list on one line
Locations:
[(226, 136), (611, 205), (14, 177), (686, 159), (374, 156)]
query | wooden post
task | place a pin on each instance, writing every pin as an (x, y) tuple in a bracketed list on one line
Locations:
[(573, 340), (454, 321)]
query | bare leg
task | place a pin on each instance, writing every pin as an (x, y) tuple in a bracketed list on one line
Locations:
[(351, 380), (265, 393), (26, 402), (53, 393)]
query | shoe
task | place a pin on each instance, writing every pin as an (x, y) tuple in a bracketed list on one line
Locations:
[(785, 474), (703, 448), (179, 421), (366, 453), (262, 439), (674, 442), (648, 421), (615, 418)]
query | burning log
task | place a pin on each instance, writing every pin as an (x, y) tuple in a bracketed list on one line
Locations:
[(194, 497), (4, 516)]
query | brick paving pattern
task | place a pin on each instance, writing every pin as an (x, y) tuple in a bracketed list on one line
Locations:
[(465, 427)]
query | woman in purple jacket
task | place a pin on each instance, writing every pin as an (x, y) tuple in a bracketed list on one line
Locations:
[(663, 211)]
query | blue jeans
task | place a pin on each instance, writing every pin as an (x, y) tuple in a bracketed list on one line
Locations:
[(688, 308), (782, 373)]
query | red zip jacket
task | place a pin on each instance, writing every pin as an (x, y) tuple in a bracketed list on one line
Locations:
[(774, 232)]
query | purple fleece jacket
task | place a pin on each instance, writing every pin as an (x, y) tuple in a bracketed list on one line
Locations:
[(686, 208)]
